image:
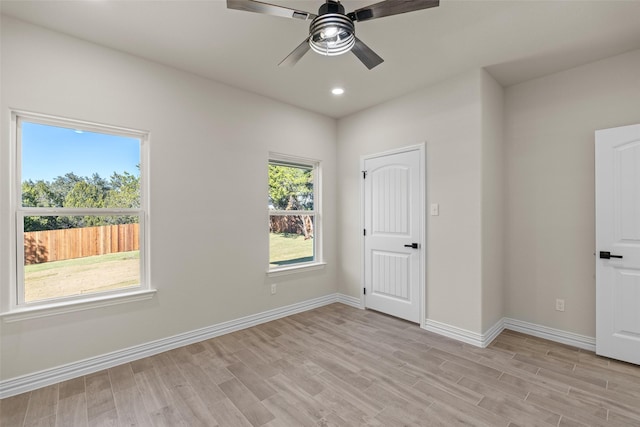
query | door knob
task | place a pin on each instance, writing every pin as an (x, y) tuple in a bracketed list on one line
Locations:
[(607, 255), (413, 245)]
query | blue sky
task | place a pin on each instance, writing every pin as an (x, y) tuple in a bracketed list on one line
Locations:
[(49, 151)]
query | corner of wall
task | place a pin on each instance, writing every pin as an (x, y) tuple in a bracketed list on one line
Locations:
[(492, 200)]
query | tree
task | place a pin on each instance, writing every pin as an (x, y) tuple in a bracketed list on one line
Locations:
[(73, 191), (62, 185), (124, 191), (291, 189), (38, 194), (85, 194)]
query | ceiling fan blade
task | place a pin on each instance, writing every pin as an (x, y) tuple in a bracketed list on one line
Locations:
[(391, 7), (295, 56), (269, 9), (367, 56)]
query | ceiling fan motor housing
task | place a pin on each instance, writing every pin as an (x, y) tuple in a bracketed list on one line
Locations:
[(331, 6), (332, 32)]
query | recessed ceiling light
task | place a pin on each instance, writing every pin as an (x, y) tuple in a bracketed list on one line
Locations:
[(337, 91)]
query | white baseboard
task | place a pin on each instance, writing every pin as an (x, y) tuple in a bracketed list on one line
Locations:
[(551, 334), (459, 334), (350, 301), (483, 340), (69, 371), (492, 333)]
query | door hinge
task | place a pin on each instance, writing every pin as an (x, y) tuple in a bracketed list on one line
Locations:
[(364, 290), (364, 232), (364, 174)]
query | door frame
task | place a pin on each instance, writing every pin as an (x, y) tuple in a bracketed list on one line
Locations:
[(422, 287)]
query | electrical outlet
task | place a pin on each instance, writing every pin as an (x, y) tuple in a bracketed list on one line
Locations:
[(274, 288), (559, 304)]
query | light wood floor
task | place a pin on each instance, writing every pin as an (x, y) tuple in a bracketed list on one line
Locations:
[(341, 366)]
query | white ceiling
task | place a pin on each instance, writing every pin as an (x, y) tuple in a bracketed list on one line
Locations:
[(515, 40)]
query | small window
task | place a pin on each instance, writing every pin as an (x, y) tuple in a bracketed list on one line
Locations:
[(294, 218), (80, 219)]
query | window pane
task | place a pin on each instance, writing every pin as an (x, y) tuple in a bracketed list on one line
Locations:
[(290, 239), (63, 167), (73, 255), (290, 187)]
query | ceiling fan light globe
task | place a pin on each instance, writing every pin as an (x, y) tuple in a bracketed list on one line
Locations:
[(333, 47), (332, 34), (329, 32)]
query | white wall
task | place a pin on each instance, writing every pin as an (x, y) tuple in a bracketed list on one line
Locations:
[(550, 233), (492, 202), (448, 117), (209, 151), (525, 196)]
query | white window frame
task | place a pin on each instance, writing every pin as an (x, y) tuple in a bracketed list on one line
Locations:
[(318, 261), (18, 309)]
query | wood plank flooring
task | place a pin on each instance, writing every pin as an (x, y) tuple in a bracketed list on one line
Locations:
[(339, 366)]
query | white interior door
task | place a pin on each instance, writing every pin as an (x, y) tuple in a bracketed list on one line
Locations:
[(393, 241), (618, 243)]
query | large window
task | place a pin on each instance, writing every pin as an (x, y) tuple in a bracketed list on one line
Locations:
[(294, 214), (80, 210)]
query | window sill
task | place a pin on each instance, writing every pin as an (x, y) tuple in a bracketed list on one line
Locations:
[(54, 309), (283, 271)]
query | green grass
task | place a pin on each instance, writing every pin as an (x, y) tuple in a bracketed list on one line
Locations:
[(289, 249), (78, 262), (78, 276)]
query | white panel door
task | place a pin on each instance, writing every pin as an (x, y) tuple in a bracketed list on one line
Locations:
[(393, 208), (618, 243)]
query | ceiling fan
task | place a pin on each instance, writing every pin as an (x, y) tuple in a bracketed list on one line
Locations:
[(332, 31)]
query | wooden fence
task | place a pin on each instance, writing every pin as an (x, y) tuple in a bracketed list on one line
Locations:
[(57, 245), (293, 224)]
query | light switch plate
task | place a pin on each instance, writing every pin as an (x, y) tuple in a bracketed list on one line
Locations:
[(435, 209)]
